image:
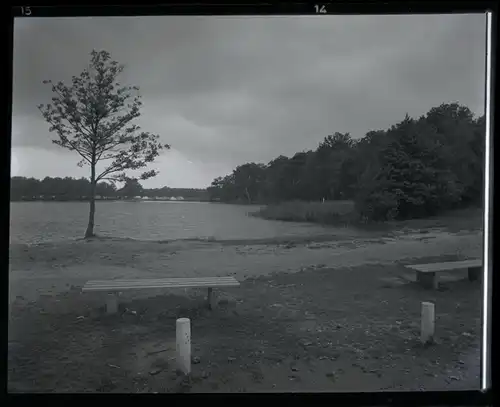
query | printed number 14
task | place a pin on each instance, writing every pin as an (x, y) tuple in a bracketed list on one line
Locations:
[(320, 9)]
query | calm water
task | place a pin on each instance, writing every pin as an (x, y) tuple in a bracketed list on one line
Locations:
[(33, 222)]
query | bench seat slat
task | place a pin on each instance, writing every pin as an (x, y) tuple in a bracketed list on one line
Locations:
[(173, 283), (162, 280), (123, 288), (160, 283), (452, 265), (118, 285)]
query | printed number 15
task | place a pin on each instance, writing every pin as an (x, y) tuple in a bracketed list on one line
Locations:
[(26, 11)]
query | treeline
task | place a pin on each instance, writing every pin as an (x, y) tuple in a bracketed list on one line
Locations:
[(417, 167), (72, 189)]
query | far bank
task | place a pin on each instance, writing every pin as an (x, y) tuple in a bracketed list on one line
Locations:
[(343, 213)]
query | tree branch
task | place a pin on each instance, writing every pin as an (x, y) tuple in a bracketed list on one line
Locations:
[(112, 169), (78, 151), (88, 134)]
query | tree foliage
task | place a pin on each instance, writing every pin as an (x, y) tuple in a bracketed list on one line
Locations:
[(417, 167), (93, 117)]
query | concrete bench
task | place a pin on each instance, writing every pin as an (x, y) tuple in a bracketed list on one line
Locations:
[(113, 287), (426, 273)]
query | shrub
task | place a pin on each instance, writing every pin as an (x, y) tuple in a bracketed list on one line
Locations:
[(329, 212), (377, 205)]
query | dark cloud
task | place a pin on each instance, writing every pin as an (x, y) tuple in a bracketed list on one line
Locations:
[(226, 90)]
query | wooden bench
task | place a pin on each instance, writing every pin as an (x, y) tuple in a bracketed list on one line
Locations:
[(112, 287), (426, 273)]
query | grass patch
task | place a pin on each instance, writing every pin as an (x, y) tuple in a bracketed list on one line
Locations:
[(343, 213), (329, 212)]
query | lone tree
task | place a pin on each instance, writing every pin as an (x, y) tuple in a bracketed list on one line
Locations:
[(93, 116)]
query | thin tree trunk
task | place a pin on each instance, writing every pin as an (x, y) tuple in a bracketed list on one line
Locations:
[(90, 227)]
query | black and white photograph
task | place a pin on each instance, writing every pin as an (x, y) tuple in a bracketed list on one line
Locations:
[(246, 204)]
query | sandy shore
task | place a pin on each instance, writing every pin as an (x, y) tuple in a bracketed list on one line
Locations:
[(297, 295), (47, 268)]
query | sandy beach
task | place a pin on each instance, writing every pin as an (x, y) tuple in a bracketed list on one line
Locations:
[(334, 314), (54, 266)]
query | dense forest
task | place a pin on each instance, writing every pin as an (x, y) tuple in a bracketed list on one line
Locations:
[(71, 189), (417, 167)]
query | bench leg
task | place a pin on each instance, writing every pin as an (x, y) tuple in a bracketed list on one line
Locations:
[(210, 299), (474, 273), (112, 304), (427, 280)]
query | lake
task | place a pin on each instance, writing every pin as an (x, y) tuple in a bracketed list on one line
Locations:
[(36, 222)]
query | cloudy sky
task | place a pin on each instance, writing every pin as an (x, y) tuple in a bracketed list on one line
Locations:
[(228, 90)]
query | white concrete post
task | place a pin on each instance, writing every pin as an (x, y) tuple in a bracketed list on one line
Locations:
[(183, 344), (112, 304), (427, 324)]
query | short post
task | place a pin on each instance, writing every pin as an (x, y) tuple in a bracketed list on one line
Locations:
[(183, 344), (112, 303), (427, 323)]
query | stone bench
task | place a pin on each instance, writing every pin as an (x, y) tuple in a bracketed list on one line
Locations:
[(113, 287), (426, 273)]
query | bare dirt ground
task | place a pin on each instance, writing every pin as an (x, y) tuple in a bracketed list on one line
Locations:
[(325, 314)]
